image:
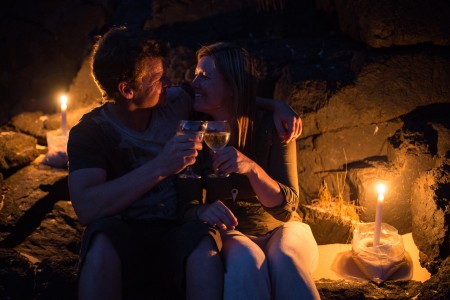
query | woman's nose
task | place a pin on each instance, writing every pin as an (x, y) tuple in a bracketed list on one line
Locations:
[(194, 82)]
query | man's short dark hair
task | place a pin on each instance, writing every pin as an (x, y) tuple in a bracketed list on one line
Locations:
[(120, 55)]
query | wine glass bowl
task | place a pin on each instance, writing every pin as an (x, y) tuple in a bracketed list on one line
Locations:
[(194, 127), (217, 135)]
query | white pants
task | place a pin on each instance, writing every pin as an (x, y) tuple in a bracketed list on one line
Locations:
[(274, 266)]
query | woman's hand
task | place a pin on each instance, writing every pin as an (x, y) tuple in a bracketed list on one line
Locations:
[(218, 214), (230, 160)]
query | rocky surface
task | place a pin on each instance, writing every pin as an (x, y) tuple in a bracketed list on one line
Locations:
[(387, 23), (16, 150), (370, 81), (431, 216)]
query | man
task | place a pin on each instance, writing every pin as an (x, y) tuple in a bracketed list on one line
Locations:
[(122, 159)]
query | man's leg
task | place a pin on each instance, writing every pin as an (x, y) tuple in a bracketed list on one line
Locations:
[(100, 276), (204, 272)]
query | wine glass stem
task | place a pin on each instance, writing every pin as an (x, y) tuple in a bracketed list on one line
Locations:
[(215, 169), (189, 170), (217, 173)]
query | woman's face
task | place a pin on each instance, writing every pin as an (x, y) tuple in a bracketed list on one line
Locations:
[(212, 94)]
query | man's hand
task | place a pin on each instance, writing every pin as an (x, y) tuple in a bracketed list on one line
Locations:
[(217, 214), (287, 122), (178, 153)]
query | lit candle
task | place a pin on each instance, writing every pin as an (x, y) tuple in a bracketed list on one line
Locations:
[(63, 101), (378, 215)]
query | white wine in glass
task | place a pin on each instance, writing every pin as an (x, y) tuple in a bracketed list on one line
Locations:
[(195, 127), (217, 135)]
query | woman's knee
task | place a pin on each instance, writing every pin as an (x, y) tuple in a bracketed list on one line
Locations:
[(293, 244), (243, 255)]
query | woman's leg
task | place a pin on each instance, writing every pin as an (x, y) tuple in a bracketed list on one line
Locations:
[(292, 255), (204, 272), (246, 273), (100, 276)]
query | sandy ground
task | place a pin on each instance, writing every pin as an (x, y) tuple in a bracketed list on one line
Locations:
[(333, 255)]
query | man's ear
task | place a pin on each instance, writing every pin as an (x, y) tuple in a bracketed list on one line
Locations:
[(125, 89)]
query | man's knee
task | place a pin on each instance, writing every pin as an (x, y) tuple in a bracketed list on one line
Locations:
[(101, 252), (206, 248)]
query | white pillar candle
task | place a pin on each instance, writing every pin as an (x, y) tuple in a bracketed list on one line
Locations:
[(378, 215), (63, 101)]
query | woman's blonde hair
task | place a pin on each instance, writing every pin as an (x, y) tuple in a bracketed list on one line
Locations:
[(236, 67)]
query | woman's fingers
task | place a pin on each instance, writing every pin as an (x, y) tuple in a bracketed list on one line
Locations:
[(219, 214), (230, 160), (224, 158)]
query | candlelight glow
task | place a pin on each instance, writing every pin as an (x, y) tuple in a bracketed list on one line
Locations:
[(381, 188), (63, 101)]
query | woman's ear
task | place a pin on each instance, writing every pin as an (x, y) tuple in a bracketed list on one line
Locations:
[(125, 89)]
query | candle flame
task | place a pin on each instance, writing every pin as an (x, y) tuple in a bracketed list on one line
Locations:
[(63, 101), (381, 188)]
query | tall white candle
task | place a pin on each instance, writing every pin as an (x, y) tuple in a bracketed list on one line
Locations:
[(63, 101), (378, 215)]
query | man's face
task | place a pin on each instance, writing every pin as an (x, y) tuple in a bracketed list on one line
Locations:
[(152, 84)]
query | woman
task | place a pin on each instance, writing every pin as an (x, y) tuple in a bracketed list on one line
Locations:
[(267, 250)]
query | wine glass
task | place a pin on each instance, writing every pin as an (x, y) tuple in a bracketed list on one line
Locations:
[(217, 135), (195, 127)]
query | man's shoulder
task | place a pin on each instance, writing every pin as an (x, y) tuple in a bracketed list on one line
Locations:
[(87, 121), (92, 113)]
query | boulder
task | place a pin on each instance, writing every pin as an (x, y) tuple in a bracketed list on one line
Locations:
[(438, 286), (16, 151), (393, 23), (16, 275), (40, 236), (430, 206), (327, 225), (344, 289), (31, 123)]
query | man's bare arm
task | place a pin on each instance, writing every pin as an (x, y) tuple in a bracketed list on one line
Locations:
[(287, 122), (94, 197)]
